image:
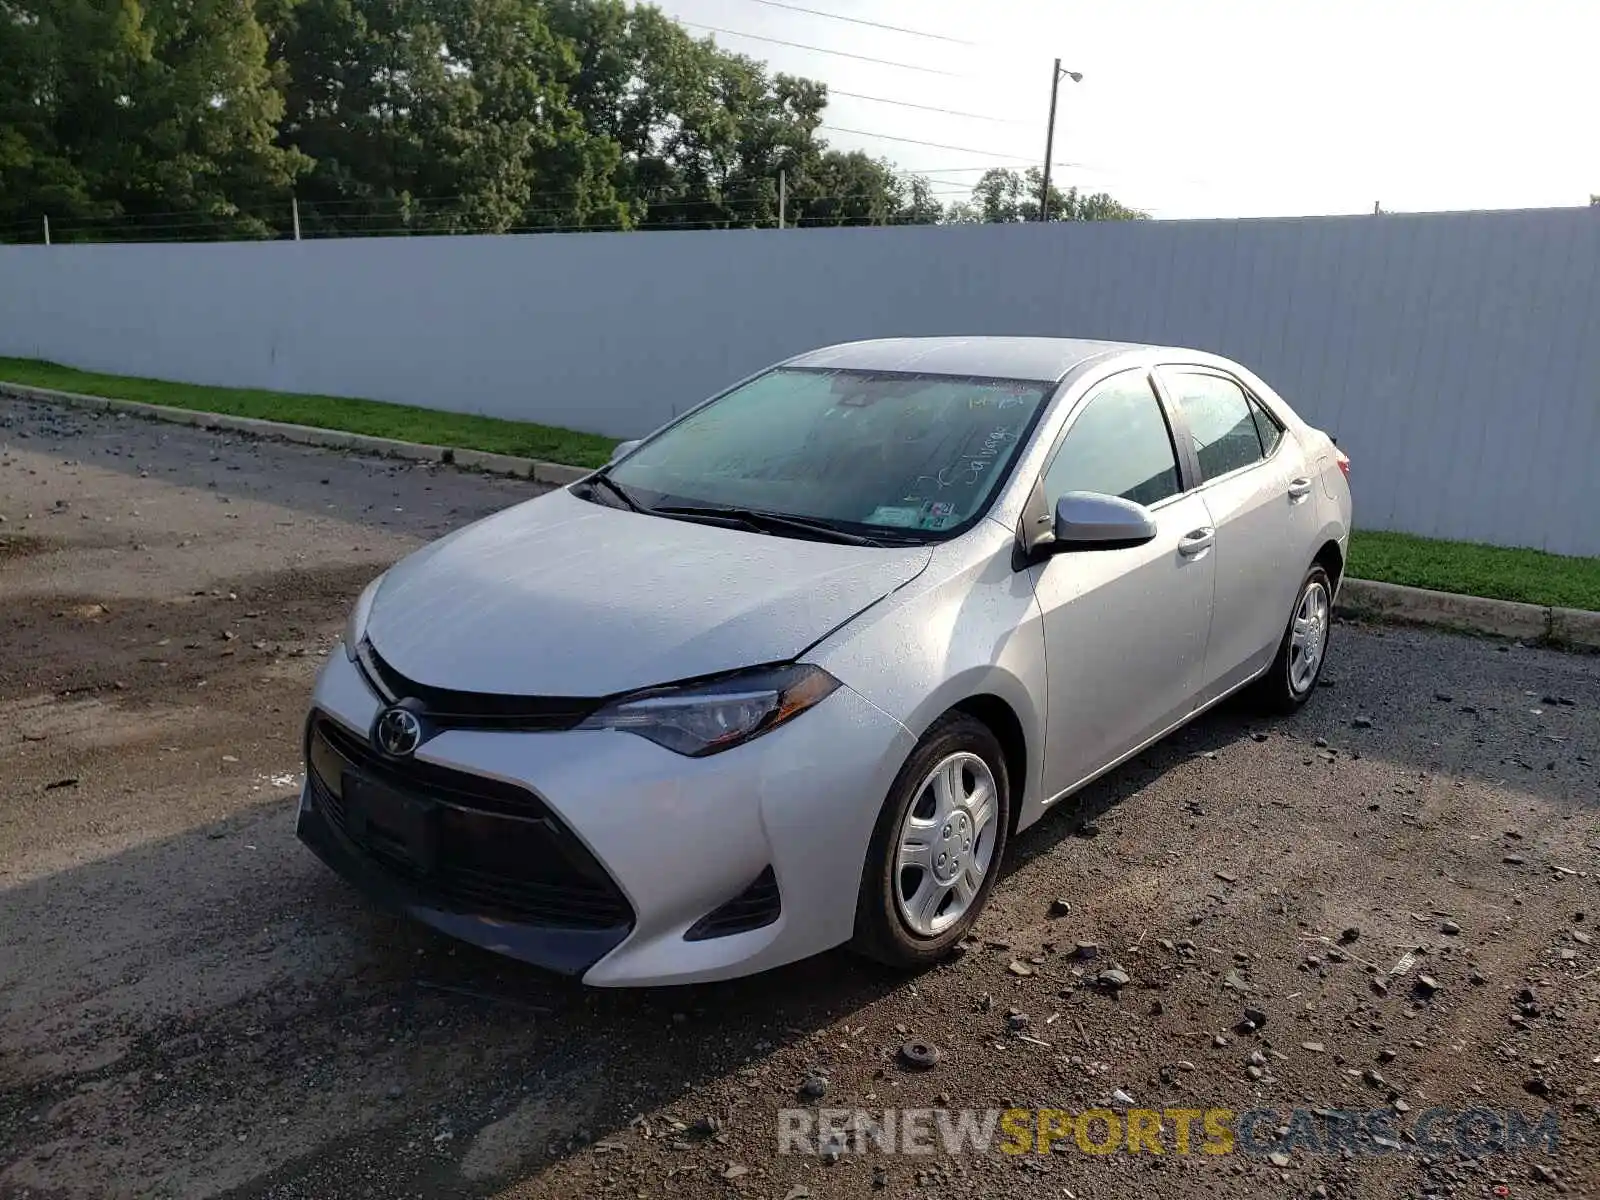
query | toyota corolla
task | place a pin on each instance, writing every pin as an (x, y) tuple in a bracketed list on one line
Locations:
[(791, 672)]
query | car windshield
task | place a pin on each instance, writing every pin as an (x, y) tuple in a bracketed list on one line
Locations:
[(878, 450)]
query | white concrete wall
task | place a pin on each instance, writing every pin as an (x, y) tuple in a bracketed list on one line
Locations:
[(1455, 356)]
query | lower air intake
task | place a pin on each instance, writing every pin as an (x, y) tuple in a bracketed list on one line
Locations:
[(758, 905)]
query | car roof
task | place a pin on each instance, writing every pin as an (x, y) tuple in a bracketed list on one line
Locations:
[(1038, 358)]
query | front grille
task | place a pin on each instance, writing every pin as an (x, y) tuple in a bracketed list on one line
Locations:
[(495, 849), (758, 905), (446, 708)]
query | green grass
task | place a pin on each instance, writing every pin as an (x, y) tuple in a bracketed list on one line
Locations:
[(371, 417), (1531, 576)]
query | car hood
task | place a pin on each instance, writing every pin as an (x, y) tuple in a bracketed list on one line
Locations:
[(563, 597)]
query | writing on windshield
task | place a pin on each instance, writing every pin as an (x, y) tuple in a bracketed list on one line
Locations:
[(872, 448)]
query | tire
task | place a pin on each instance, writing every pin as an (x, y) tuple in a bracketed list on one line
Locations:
[(1287, 684), (899, 919)]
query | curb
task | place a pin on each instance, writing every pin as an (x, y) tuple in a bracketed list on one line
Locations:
[(533, 469), (1568, 627), (1470, 614)]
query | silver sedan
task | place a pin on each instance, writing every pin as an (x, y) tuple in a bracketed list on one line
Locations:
[(790, 672)]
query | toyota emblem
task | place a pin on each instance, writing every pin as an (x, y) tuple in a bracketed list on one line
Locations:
[(397, 732)]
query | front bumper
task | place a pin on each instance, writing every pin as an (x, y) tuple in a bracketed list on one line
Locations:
[(678, 838), (568, 951)]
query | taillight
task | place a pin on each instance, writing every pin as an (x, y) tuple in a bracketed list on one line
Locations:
[(1343, 459)]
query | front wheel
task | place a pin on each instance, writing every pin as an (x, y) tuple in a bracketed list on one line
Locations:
[(937, 847), (1293, 675)]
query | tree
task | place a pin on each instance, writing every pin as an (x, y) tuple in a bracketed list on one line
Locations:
[(1003, 195), (918, 206), (440, 116), (158, 112), (839, 188), (195, 118), (1098, 206), (962, 212), (702, 132)]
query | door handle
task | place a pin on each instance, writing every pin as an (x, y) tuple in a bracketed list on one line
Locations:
[(1299, 488), (1193, 543)]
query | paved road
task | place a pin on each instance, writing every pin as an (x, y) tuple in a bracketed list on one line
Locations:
[(190, 1005)]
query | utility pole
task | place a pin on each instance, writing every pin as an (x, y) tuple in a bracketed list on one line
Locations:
[(47, 229), (1050, 135), (294, 205), (783, 195)]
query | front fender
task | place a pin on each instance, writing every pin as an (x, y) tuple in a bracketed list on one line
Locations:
[(968, 626)]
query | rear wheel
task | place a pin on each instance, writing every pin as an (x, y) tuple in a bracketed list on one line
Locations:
[(1293, 675), (937, 846)]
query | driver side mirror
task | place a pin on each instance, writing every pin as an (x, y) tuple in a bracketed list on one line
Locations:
[(1092, 521), (621, 449)]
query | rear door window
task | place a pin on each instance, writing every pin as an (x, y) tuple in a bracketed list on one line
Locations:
[(1221, 420), (1266, 426)]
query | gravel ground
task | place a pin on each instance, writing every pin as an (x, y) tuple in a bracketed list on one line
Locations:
[(190, 1005)]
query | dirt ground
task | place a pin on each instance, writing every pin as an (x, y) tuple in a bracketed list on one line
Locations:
[(191, 1005)]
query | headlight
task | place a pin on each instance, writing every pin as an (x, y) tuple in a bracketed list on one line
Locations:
[(703, 718), (356, 627)]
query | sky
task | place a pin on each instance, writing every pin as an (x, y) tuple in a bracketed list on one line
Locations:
[(1210, 108)]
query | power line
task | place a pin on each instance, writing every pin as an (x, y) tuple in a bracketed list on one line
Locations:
[(886, 62), (947, 171), (815, 12), (889, 137), (949, 112), (931, 171)]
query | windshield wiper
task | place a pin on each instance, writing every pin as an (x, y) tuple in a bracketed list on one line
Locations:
[(615, 488), (766, 522)]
